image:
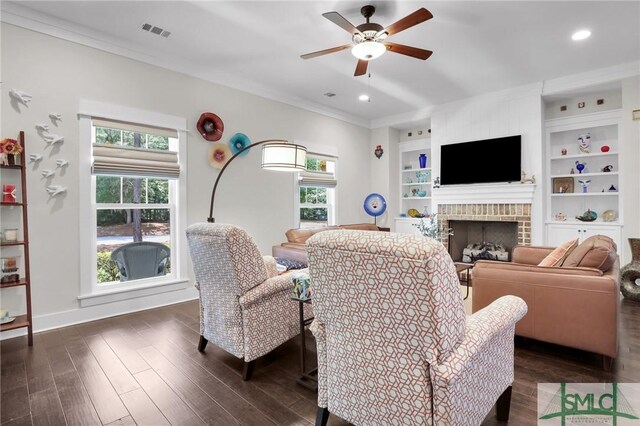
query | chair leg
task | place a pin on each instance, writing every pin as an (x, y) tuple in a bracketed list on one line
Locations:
[(607, 363), (504, 405), (322, 416), (202, 344), (247, 371)]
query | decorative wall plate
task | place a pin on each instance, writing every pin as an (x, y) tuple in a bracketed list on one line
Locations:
[(375, 204), (210, 126), (238, 142), (219, 154)]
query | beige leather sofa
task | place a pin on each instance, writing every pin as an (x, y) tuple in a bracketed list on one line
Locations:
[(295, 247), (575, 306)]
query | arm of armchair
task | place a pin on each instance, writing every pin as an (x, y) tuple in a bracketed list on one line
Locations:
[(268, 288), (483, 361)]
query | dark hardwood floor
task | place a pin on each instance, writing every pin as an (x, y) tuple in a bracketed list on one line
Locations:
[(144, 368)]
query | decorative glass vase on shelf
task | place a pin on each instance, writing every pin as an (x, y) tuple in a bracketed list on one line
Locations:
[(423, 160), (630, 273)]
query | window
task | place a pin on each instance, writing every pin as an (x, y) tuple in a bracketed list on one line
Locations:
[(317, 192), (132, 187), (134, 197)]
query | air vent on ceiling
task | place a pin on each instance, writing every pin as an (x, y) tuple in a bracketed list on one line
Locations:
[(329, 95), (156, 30)]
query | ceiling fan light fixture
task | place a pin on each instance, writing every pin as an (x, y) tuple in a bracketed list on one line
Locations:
[(368, 50)]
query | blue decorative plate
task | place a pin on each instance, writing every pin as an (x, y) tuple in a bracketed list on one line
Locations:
[(239, 141), (375, 204)]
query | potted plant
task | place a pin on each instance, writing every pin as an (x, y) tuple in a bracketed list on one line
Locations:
[(431, 228)]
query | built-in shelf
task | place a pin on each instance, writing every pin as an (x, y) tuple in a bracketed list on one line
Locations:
[(20, 322), (580, 222), (11, 204), (584, 194), (416, 183), (416, 198), (586, 174), (593, 154), (416, 170), (562, 134), (13, 166)]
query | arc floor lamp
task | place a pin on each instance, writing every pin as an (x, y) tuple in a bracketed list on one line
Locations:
[(277, 154)]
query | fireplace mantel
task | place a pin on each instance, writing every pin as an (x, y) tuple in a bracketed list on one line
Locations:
[(501, 193)]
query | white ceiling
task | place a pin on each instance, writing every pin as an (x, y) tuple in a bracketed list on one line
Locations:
[(479, 46)]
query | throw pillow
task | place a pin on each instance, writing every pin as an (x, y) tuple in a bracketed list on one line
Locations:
[(598, 251), (290, 264), (557, 256)]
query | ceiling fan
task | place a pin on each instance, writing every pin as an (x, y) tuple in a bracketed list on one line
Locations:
[(368, 39)]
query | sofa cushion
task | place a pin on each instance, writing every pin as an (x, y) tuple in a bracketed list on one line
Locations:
[(301, 235), (559, 254), (598, 251), (361, 227)]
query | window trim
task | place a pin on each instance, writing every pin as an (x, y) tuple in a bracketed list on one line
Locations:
[(91, 293)]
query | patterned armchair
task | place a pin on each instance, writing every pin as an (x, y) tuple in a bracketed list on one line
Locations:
[(394, 343), (245, 306)]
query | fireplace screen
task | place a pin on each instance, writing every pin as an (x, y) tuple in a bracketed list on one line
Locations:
[(474, 240)]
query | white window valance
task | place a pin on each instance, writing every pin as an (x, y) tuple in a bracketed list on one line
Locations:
[(129, 161), (321, 179), (122, 160)]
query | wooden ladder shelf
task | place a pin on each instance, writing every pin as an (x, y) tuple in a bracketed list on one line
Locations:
[(24, 320)]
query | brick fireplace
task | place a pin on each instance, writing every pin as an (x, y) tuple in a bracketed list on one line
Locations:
[(519, 214)]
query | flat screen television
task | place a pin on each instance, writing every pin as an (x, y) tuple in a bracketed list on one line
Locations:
[(484, 161)]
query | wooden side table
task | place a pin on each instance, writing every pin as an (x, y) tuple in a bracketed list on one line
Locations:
[(308, 379), (465, 268)]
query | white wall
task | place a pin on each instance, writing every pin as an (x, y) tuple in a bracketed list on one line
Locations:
[(59, 73), (630, 137), (384, 171), (506, 113)]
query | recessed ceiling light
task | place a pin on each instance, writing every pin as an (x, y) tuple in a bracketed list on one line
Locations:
[(580, 35), (363, 98)]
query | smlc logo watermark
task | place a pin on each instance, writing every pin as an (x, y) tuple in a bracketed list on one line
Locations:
[(563, 404)]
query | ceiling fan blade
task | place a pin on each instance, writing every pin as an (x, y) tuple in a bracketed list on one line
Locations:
[(414, 52), (361, 68), (340, 21), (408, 21), (325, 51)]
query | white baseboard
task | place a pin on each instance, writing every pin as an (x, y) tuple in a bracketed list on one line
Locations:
[(92, 313)]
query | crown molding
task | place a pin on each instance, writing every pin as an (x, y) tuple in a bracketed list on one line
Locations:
[(15, 14)]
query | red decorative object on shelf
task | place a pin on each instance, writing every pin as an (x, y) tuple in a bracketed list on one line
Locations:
[(604, 148), (9, 193)]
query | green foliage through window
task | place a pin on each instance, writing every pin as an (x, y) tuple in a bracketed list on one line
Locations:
[(314, 214), (127, 138), (313, 195)]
